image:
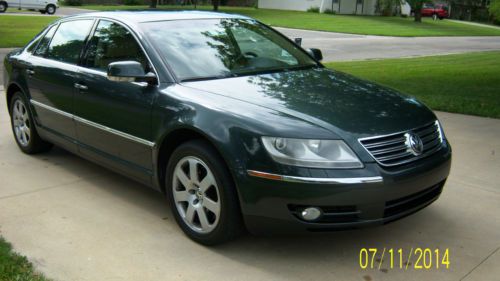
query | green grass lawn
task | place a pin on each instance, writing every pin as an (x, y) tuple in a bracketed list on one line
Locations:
[(16, 31), (14, 267), (465, 83), (373, 25)]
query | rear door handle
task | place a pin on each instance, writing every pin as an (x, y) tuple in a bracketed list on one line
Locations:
[(80, 86), (30, 72)]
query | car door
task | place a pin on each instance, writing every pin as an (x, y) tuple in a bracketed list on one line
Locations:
[(113, 119), (51, 77)]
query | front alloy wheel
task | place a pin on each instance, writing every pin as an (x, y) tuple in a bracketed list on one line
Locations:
[(196, 194), (202, 194)]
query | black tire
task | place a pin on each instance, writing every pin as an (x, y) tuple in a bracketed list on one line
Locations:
[(229, 224), (3, 7), (50, 9), (34, 144)]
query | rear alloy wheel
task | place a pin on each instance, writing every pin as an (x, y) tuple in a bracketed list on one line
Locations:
[(202, 194), (50, 9), (23, 127), (3, 7)]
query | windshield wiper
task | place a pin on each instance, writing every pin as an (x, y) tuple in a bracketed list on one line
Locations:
[(204, 78)]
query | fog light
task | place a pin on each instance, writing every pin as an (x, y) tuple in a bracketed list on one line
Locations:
[(310, 213)]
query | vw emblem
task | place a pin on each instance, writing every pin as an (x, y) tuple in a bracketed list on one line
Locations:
[(414, 144)]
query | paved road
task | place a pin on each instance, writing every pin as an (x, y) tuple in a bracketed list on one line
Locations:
[(345, 47), (78, 221), (62, 11)]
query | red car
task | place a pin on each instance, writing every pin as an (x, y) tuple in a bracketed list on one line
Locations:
[(435, 10)]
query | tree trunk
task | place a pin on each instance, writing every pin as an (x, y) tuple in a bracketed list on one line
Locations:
[(152, 4), (418, 16), (418, 11), (216, 4)]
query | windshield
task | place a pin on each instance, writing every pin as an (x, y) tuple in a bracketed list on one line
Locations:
[(217, 48)]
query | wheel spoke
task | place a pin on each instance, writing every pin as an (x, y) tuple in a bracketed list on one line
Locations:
[(207, 182), (211, 205), (190, 213), (181, 196), (179, 173), (203, 219), (193, 170)]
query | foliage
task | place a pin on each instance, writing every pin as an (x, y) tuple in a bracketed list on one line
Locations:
[(464, 83), (313, 10), (494, 9), (133, 2), (330, 12), (73, 2), (16, 267), (387, 7)]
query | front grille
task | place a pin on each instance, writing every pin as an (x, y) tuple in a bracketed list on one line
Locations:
[(415, 201), (394, 149), (331, 214)]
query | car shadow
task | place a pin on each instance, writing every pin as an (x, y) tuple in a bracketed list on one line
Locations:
[(284, 255)]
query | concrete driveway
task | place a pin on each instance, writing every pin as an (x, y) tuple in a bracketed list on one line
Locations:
[(345, 47), (78, 221)]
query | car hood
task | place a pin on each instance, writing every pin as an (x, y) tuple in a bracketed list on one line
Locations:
[(333, 100)]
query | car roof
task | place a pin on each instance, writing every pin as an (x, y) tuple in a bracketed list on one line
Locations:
[(138, 16)]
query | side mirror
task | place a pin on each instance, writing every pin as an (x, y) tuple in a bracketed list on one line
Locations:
[(129, 71), (315, 53), (298, 41)]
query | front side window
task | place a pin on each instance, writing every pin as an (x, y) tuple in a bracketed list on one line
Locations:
[(68, 41), (44, 43), (217, 48), (111, 43)]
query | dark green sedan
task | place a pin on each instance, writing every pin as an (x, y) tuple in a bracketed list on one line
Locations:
[(240, 127)]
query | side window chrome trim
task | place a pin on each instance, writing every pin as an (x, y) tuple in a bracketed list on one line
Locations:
[(93, 124)]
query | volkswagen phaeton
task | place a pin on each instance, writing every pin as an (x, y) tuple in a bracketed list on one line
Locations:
[(240, 127)]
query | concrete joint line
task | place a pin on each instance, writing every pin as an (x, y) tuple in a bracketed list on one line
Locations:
[(485, 259)]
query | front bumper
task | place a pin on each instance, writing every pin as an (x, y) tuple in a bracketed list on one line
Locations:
[(273, 205)]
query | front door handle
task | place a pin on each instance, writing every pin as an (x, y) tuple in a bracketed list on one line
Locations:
[(30, 72), (80, 86)]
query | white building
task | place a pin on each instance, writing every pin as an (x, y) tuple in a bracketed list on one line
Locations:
[(348, 7)]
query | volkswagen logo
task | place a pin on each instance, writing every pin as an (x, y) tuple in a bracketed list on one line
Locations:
[(414, 144)]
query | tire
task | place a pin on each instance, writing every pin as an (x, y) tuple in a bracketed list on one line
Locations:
[(209, 213), (23, 127), (3, 7), (50, 9)]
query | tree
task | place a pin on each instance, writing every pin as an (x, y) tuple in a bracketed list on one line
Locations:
[(216, 4), (416, 6), (494, 9), (153, 3)]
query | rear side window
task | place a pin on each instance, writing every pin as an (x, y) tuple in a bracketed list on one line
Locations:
[(44, 43), (111, 43), (68, 41)]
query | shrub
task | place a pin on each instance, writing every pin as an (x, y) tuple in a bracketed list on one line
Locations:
[(133, 2), (494, 10), (330, 12), (73, 2), (313, 10)]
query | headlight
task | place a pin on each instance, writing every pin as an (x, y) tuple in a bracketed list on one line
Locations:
[(312, 153)]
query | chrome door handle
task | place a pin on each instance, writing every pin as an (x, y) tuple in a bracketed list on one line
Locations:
[(30, 72), (80, 86)]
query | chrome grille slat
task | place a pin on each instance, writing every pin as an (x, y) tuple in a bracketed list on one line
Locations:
[(402, 140), (392, 150), (388, 150)]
